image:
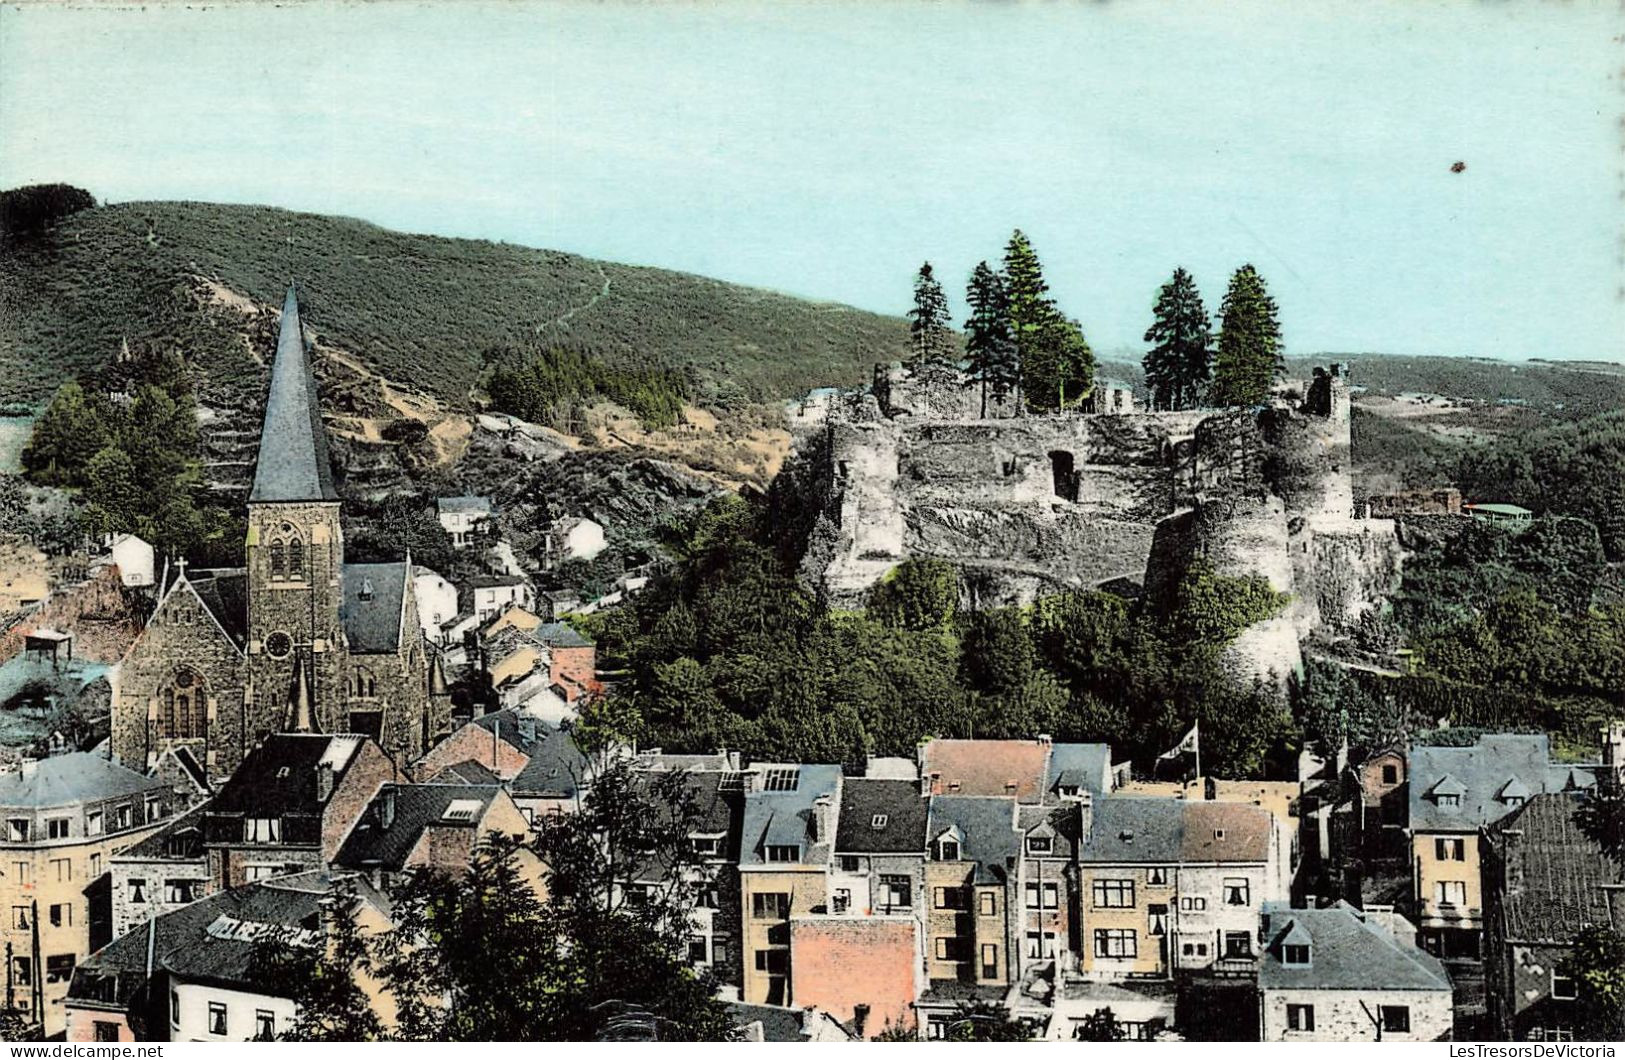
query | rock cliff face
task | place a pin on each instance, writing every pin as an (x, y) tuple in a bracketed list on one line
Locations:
[(1029, 504)]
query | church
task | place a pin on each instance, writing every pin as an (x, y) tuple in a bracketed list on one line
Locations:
[(297, 640)]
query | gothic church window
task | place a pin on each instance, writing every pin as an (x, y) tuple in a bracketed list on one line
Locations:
[(296, 558), (277, 564)]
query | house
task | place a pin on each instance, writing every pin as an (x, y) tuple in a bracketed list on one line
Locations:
[(1047, 869), (290, 804), (495, 593), (1144, 1009), (1026, 770), (879, 849), (1453, 793), (1544, 882), (787, 839), (202, 985), (572, 538), (560, 602), (1383, 798), (500, 741), (164, 872), (1340, 974), (973, 844), (61, 820), (464, 518), (780, 1023), (864, 971), (133, 557), (426, 826), (555, 778), (437, 603), (1508, 516)]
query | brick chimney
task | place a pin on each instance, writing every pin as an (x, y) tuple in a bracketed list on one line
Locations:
[(823, 826), (324, 780)]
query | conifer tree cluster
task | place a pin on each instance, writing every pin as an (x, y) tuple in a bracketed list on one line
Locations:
[(931, 336), (989, 342), (1184, 370)]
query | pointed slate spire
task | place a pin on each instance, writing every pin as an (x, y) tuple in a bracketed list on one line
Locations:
[(301, 698), (293, 463)]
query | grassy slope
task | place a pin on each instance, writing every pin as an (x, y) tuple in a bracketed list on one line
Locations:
[(419, 309)]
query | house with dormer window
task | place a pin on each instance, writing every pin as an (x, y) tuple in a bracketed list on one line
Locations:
[(1455, 792)]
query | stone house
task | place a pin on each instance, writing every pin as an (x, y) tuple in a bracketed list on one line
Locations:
[(973, 845), (290, 804), (1047, 883), (1340, 974), (1384, 799), (787, 838), (1544, 883), (880, 845), (164, 872), (62, 820), (492, 594)]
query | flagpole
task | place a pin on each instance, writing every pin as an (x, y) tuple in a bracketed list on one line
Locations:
[(1197, 728)]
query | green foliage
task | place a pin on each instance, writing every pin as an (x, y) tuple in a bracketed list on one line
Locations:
[(921, 595), (26, 212), (417, 308), (1601, 816), (1057, 366), (995, 363), (1177, 367), (554, 387), (73, 428), (984, 1021), (1211, 608), (1597, 965), (930, 331), (1248, 359), (1099, 1026)]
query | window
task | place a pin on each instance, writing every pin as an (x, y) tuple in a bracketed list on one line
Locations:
[(1193, 949), (1238, 944), (987, 904), (1116, 942), (1396, 1019), (897, 892), (851, 863), (1450, 892), (174, 1009), (56, 828), (152, 808), (1390, 774), (782, 853), (93, 822), (1551, 1034), (1193, 904), (1135, 1030), (1450, 849), (278, 562), (841, 900), (1236, 891), (123, 816), (63, 869), (1448, 800), (138, 891), (22, 971), (1295, 954), (1113, 894), (770, 906), (296, 558), (262, 871), (16, 829), (951, 898), (264, 1025), (696, 949), (948, 850), (1563, 986), (990, 961), (1300, 1017), (105, 1031), (22, 872), (774, 962), (262, 830), (1039, 844), (95, 865), (1156, 877), (1157, 921), (878, 821), (721, 951), (951, 948), (59, 969), (180, 892), (19, 918), (217, 1018), (781, 779), (1041, 944), (62, 915)]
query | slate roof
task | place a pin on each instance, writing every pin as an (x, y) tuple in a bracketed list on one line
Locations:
[(560, 635), (469, 772), (293, 464), (278, 777), (521, 732), (785, 818), (1480, 772), (373, 625), (225, 594), (417, 807), (1126, 829), (1555, 874), (447, 505), (898, 802), (1348, 950), (211, 939), (987, 831), (1082, 765), (1246, 832), (179, 840), (69, 779), (1065, 821), (556, 768), (778, 1024), (717, 812), (987, 767)]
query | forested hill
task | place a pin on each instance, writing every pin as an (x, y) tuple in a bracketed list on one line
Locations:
[(418, 309)]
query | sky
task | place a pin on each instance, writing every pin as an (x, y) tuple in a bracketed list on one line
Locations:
[(827, 149)]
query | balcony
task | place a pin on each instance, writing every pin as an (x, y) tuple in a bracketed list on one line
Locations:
[(1234, 967)]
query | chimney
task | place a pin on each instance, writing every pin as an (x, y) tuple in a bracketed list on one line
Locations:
[(1045, 739), (386, 806), (822, 830), (324, 780), (527, 728), (1613, 749)]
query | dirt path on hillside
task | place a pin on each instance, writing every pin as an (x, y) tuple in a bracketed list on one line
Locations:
[(583, 307)]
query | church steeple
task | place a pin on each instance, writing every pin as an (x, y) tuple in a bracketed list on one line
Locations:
[(293, 464)]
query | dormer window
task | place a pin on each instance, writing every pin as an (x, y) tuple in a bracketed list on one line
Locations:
[(1294, 953), (1067, 791), (1448, 800), (461, 810), (706, 846), (948, 850), (783, 853), (878, 821), (1218, 833), (1039, 844)]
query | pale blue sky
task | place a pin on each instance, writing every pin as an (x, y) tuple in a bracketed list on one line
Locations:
[(826, 149)]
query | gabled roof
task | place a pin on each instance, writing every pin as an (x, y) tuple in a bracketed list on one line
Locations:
[(557, 768), (1514, 788), (1086, 766), (389, 829), (179, 840), (293, 463), (785, 818), (71, 779), (718, 811), (1015, 768), (447, 505), (560, 635), (1554, 873), (1348, 950), (521, 731), (1474, 775), (986, 827), (1128, 829), (1225, 832), (881, 817), (1063, 824), (224, 593), (374, 606), (279, 776), (469, 772)]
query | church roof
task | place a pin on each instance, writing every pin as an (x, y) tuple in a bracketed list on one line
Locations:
[(293, 463), (372, 607)]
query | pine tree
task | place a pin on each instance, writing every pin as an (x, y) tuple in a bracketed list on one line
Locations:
[(930, 333), (989, 343), (1178, 366), (1030, 310), (1249, 355)]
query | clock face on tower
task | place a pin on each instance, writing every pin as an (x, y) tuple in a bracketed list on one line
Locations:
[(278, 645)]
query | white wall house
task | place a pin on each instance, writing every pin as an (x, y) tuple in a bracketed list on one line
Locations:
[(463, 517), (134, 558), (496, 593), (437, 601), (203, 1012)]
